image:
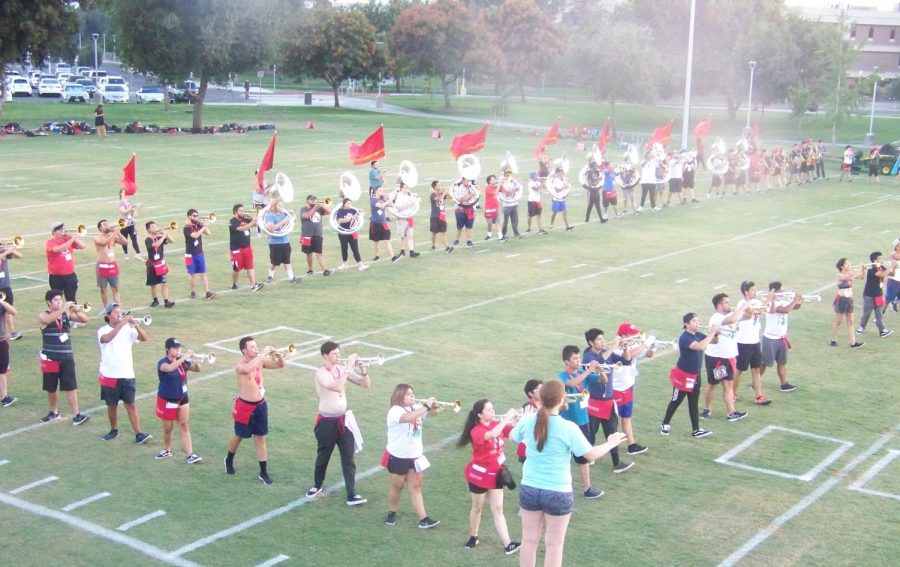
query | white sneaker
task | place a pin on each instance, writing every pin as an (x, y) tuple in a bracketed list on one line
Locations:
[(639, 209), (363, 267), (343, 266)]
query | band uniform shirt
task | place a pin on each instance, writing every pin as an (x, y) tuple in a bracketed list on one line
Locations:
[(690, 360), (437, 205), (57, 341), (192, 245), (577, 411), (374, 181), (116, 359), (593, 179), (311, 226), (727, 345), (274, 218), (129, 216), (340, 214), (873, 283), (155, 254), (237, 239), (748, 329), (378, 216), (4, 271), (534, 190), (60, 263), (776, 326), (598, 389), (172, 385), (404, 440)]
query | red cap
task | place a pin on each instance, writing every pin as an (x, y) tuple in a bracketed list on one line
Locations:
[(627, 330)]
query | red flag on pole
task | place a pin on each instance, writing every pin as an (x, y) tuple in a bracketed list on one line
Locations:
[(129, 179), (549, 139), (604, 137), (662, 135), (754, 133), (468, 143), (372, 148), (703, 129), (268, 162)]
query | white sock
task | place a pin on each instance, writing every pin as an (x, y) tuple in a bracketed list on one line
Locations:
[(290, 273), (272, 273)]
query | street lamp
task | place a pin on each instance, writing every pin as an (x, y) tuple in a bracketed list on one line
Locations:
[(114, 47), (96, 36), (750, 96), (870, 137)]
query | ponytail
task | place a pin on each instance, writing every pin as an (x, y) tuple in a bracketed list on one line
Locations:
[(471, 421), (552, 393), (540, 427)]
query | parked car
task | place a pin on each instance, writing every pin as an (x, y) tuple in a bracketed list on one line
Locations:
[(113, 93), (180, 95), (19, 86), (82, 70), (88, 85), (74, 93), (63, 77), (33, 78), (63, 68), (49, 87), (192, 87), (115, 80), (149, 94)]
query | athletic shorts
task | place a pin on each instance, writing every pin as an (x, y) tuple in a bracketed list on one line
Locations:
[(718, 369), (4, 357), (463, 220), (314, 246), (124, 390), (504, 479), (107, 281), (280, 254), (845, 166), (611, 198), (550, 502), (63, 380), (403, 228), (378, 232), (258, 425), (774, 351), (675, 185), (586, 431), (242, 259), (749, 356), (438, 226), (68, 284), (167, 410), (197, 265), (557, 206), (9, 295), (534, 208), (399, 466), (153, 279), (843, 304)]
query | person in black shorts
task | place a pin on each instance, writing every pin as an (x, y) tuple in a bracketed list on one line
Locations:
[(157, 269), (57, 360)]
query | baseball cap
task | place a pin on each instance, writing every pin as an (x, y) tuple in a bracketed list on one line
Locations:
[(172, 342), (895, 243), (56, 225), (109, 308), (312, 198), (627, 329), (688, 317)]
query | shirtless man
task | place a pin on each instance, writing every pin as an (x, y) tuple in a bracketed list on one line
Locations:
[(335, 424), (107, 267), (250, 413)]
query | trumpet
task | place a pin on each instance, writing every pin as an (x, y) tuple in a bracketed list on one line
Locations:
[(455, 405), (210, 358), (283, 352), (724, 329), (172, 226), (657, 345), (327, 202), (121, 224), (16, 242), (82, 230), (84, 308), (602, 367), (377, 360), (146, 321), (633, 341), (577, 396), (211, 217)]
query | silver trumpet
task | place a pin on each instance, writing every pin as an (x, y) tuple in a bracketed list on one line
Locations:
[(577, 396), (602, 367), (377, 360), (210, 357), (658, 345), (455, 405), (146, 320)]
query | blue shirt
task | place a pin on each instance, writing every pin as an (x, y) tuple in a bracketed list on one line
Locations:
[(689, 360), (275, 218), (577, 412), (172, 385), (609, 181), (378, 214), (374, 182), (598, 389), (549, 468)]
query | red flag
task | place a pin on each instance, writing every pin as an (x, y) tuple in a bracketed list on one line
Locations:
[(662, 135), (604, 137), (129, 181), (550, 139), (703, 129), (468, 143), (372, 148), (268, 161), (754, 133)]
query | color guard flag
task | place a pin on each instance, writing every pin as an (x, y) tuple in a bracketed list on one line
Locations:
[(372, 148), (129, 181), (754, 133), (550, 139), (268, 161), (662, 135), (468, 143), (604, 137), (703, 129)]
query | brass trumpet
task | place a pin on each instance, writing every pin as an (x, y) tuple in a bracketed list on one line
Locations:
[(16, 242), (657, 345), (121, 224), (211, 217), (455, 405), (377, 360), (633, 341), (82, 230), (284, 352), (577, 396), (327, 202), (603, 367), (173, 225), (84, 308), (210, 358)]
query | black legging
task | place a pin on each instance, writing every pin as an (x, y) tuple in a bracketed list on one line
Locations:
[(328, 435), (609, 427), (353, 243), (593, 201), (693, 400), (511, 213), (130, 232), (648, 189)]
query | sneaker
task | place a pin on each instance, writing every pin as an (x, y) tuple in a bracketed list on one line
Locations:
[(270, 279), (736, 415), (635, 449), (592, 493), (169, 304), (234, 286), (52, 416), (193, 459), (542, 231), (505, 238), (395, 257), (513, 547), (229, 466), (427, 523), (488, 237), (639, 209), (17, 335), (265, 478), (432, 248), (8, 401), (763, 400), (568, 228), (390, 519), (113, 433), (142, 438), (327, 273), (79, 419), (620, 215), (295, 280), (193, 295), (210, 294), (473, 541), (342, 266), (885, 333), (363, 267), (139, 257), (664, 429), (448, 249), (860, 330), (257, 287), (456, 242), (155, 303), (164, 454), (622, 467), (470, 244), (696, 201), (857, 344), (414, 254), (706, 413), (656, 209), (788, 387), (313, 492), (355, 500), (893, 308), (701, 433), (310, 272), (833, 343), (375, 259)]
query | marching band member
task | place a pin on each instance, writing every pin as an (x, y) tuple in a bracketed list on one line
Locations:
[(892, 291), (5, 309), (757, 168), (251, 413), (404, 456), (376, 178), (574, 378), (594, 179), (685, 375), (379, 227), (405, 226), (875, 164), (510, 193), (767, 167), (57, 360), (624, 378), (491, 207), (465, 192), (676, 172), (648, 181), (240, 246), (601, 406), (194, 259), (733, 173), (747, 337), (107, 267), (60, 250), (172, 402), (688, 173), (346, 216), (535, 185), (259, 197), (438, 217), (116, 375), (843, 301), (609, 193), (8, 251), (532, 404), (545, 496), (720, 356), (820, 151), (127, 210), (311, 233), (558, 179), (543, 167), (335, 423), (847, 164), (775, 343), (485, 472), (156, 263), (873, 296), (279, 246)]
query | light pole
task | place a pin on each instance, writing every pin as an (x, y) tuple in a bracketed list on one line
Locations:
[(686, 115), (96, 36), (750, 96), (870, 137), (114, 48)]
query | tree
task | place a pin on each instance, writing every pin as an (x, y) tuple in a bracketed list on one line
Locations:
[(210, 38), (40, 27), (333, 44)]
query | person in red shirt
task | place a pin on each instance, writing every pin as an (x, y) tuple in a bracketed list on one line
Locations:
[(491, 206), (61, 260)]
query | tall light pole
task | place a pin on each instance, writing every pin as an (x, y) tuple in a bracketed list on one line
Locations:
[(750, 96), (96, 36), (870, 137), (686, 117)]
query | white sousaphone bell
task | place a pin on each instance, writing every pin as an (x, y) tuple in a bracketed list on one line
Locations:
[(469, 168), (717, 162), (628, 173), (509, 167), (405, 204), (282, 190), (349, 188), (596, 156), (557, 186)]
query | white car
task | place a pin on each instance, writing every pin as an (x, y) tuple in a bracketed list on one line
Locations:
[(74, 93), (115, 80), (49, 87), (148, 94), (19, 86), (63, 77), (113, 93)]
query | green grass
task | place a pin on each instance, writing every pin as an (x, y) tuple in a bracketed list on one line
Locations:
[(477, 324)]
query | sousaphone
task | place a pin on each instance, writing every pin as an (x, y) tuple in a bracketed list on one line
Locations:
[(282, 190), (628, 173), (349, 186), (408, 174)]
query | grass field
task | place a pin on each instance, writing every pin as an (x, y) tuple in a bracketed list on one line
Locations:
[(472, 324)]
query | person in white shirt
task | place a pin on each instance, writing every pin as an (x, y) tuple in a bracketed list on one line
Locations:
[(534, 202), (720, 356), (116, 376), (749, 352), (775, 344), (847, 164)]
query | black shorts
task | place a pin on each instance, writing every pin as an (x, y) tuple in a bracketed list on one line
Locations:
[(379, 231), (504, 480), (586, 431), (399, 466), (675, 185), (63, 380), (258, 425), (314, 247), (438, 226), (749, 356), (718, 369), (152, 278), (534, 208), (9, 295), (68, 284), (280, 254), (4, 357), (611, 198), (124, 391)]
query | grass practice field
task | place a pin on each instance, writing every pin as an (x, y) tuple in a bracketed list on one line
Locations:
[(811, 479)]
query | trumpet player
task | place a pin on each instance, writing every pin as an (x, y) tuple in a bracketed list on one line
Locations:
[(335, 423), (574, 377), (116, 375), (251, 413), (107, 266), (438, 218), (5, 309), (843, 301), (157, 269), (240, 246), (127, 210), (685, 376), (194, 258), (8, 251), (57, 359), (720, 356), (601, 407), (775, 343), (172, 402), (311, 233), (60, 249), (625, 376), (748, 342), (873, 295), (532, 405)]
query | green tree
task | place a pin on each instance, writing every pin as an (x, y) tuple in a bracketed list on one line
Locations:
[(335, 45)]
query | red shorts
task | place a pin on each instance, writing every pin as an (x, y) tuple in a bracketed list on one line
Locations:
[(845, 166), (600, 409), (242, 259), (681, 380), (167, 410)]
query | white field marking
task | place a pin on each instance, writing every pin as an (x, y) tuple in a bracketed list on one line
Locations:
[(858, 193), (149, 207), (682, 280), (647, 275), (576, 266), (86, 501), (856, 228), (720, 286), (29, 486), (89, 527), (886, 231), (805, 503), (39, 205), (26, 277), (274, 561), (545, 260), (511, 255), (138, 521), (238, 528), (807, 476), (829, 223), (4, 462), (872, 472)]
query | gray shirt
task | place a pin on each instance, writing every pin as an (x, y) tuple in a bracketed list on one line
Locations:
[(311, 226)]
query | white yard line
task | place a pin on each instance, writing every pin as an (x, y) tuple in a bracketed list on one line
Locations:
[(143, 519), (274, 561), (29, 486), (86, 501)]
